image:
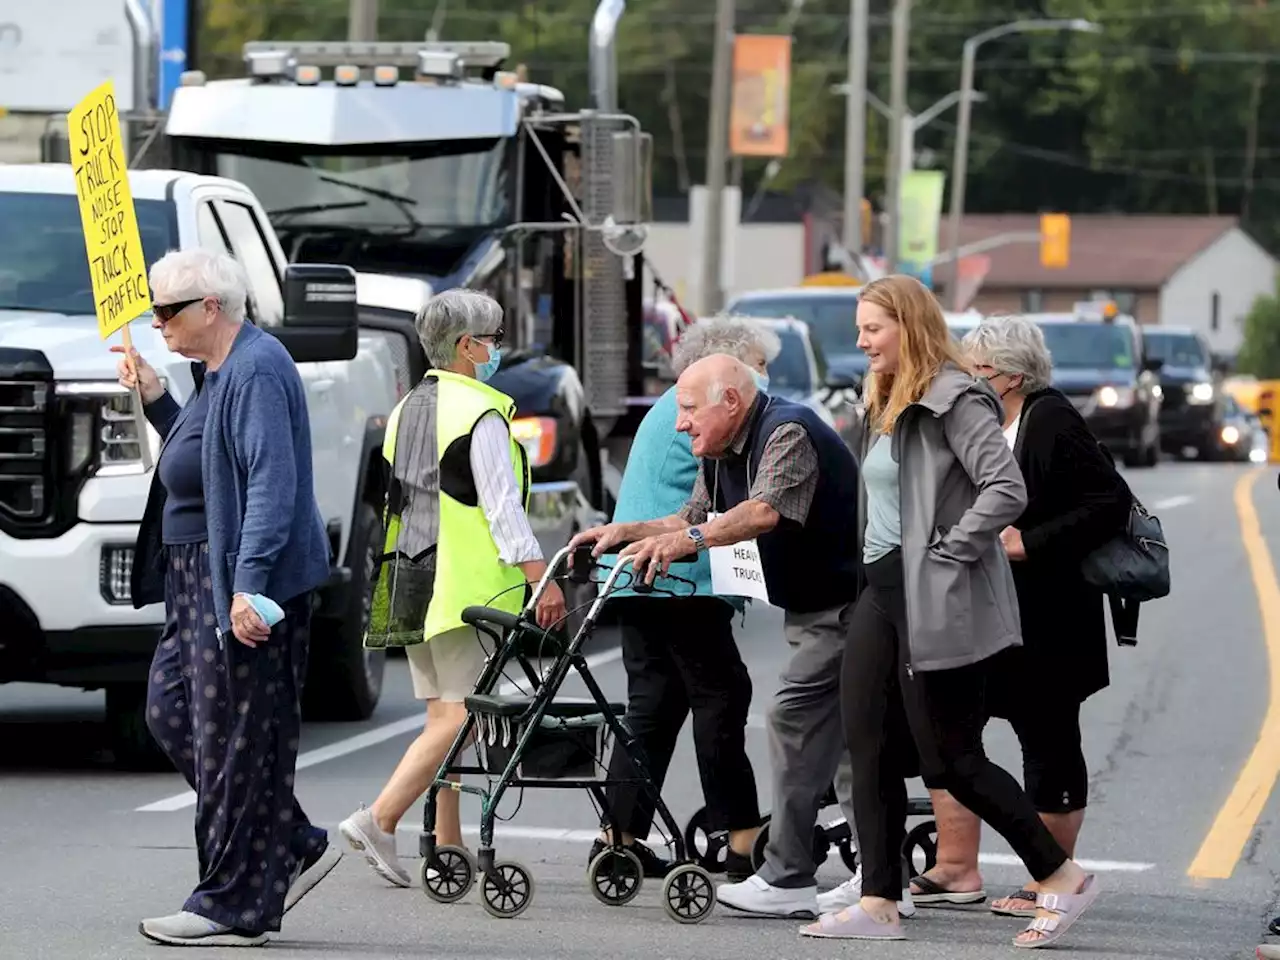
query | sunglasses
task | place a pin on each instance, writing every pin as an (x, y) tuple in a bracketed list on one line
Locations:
[(167, 311)]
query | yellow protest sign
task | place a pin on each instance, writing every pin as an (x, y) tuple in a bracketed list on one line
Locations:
[(110, 225)]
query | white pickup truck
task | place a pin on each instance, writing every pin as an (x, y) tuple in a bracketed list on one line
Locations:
[(73, 484)]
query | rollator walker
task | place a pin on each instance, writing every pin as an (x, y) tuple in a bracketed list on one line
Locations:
[(540, 741)]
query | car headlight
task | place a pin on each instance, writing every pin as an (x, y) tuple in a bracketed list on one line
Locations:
[(1109, 396), (538, 437), (107, 430), (1230, 435), (1200, 393)]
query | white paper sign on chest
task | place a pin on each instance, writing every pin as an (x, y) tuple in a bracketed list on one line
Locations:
[(736, 570)]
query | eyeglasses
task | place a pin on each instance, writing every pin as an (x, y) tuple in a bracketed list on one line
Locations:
[(494, 338), (167, 311)]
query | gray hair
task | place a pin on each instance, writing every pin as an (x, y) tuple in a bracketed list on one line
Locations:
[(736, 376), (448, 317), (184, 274), (734, 335), (1012, 345)]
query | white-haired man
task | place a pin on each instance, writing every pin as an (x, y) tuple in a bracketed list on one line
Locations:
[(774, 472), (678, 646)]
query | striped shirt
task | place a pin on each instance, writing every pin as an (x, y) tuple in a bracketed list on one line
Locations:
[(785, 479), (498, 492)]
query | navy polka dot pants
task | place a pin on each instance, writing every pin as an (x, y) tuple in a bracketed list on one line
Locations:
[(229, 716)]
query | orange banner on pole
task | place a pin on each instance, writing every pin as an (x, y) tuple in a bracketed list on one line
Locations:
[(759, 123)]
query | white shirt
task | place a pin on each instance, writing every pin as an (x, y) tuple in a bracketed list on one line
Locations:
[(498, 492), (1011, 431)]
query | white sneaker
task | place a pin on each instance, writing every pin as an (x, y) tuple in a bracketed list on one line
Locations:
[(758, 899), (379, 848), (850, 892)]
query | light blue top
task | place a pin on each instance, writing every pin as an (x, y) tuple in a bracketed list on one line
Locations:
[(884, 519), (661, 471)]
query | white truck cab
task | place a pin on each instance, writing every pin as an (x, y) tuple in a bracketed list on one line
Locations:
[(73, 482)]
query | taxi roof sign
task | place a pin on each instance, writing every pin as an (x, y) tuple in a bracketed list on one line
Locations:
[(830, 278)]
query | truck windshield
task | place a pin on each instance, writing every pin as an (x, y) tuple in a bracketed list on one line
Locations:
[(1088, 346), (832, 320), (396, 192), (43, 264), (1175, 349)]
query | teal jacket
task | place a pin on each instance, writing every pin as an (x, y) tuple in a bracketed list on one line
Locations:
[(661, 470)]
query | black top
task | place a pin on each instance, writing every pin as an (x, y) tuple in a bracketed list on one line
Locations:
[(815, 565), (1076, 502), (180, 472)]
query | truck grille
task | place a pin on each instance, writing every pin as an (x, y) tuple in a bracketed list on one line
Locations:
[(25, 451)]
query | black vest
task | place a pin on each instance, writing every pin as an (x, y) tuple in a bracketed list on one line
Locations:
[(811, 566)]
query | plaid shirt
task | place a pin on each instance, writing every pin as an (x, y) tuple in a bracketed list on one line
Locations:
[(786, 478)]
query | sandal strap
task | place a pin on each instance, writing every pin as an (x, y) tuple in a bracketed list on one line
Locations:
[(1058, 903), (1044, 924), (1028, 895)]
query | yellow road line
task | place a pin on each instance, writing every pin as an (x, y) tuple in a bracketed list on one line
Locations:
[(1226, 839)]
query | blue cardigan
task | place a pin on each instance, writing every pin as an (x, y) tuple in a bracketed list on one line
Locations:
[(661, 470), (266, 534)]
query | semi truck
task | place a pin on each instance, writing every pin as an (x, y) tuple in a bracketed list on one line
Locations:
[(431, 161)]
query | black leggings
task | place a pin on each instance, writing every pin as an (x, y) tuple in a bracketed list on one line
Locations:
[(945, 713)]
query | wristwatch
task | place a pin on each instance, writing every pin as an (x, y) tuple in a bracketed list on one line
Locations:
[(696, 536)]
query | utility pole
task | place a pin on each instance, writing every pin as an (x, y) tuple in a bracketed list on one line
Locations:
[(898, 107), (717, 151), (855, 128), (362, 20)]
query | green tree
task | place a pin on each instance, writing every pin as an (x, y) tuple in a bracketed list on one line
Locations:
[(1260, 350)]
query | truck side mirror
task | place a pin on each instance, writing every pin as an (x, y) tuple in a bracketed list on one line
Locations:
[(632, 177), (320, 317)]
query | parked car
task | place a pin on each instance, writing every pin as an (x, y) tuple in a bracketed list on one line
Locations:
[(830, 313), (800, 372)]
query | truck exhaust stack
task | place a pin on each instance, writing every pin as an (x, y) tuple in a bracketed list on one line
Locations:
[(603, 54)]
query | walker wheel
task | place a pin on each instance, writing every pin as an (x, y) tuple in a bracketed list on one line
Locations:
[(762, 841), (509, 895), (687, 894), (848, 855), (707, 850), (820, 846), (452, 879), (616, 876), (922, 837)]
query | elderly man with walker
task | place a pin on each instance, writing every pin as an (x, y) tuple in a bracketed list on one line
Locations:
[(774, 506)]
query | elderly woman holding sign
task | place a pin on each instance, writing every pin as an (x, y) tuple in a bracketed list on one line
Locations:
[(233, 543)]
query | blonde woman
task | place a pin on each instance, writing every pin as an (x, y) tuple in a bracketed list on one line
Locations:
[(938, 484)]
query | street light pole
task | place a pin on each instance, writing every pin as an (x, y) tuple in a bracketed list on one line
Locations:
[(717, 151), (898, 106), (855, 128), (960, 162), (362, 20)]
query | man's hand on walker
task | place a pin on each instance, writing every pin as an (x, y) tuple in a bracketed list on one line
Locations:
[(655, 555), (604, 537)]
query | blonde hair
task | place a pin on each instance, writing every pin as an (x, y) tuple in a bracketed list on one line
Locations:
[(925, 345)]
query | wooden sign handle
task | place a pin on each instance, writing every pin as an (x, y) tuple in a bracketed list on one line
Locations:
[(139, 417)]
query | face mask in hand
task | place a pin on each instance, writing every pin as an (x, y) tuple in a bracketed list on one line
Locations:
[(487, 369), (761, 379)]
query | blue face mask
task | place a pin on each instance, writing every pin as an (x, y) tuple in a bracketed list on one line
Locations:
[(487, 369), (761, 379)]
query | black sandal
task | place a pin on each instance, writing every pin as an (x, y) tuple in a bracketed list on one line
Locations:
[(1027, 895), (931, 892)]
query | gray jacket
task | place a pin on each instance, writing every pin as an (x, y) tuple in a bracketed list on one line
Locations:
[(959, 486)]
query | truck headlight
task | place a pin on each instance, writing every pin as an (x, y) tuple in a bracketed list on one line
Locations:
[(1200, 393), (107, 429), (1115, 397), (538, 437)]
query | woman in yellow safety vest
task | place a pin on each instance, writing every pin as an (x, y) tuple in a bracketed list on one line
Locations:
[(458, 536)]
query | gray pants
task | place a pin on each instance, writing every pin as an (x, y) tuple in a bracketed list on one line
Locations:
[(806, 743)]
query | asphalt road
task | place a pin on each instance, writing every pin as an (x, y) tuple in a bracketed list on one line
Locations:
[(85, 852)]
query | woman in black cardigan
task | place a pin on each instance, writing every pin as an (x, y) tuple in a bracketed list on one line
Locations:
[(1076, 502)]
